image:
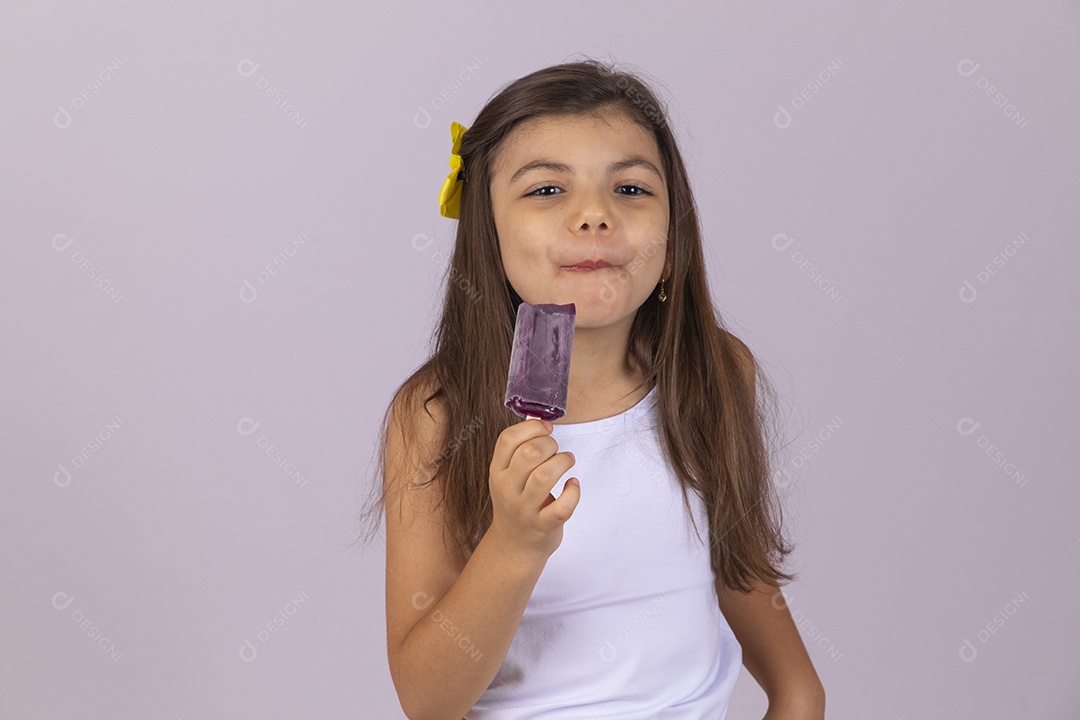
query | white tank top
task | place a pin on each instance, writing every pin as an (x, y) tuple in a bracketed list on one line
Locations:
[(624, 621)]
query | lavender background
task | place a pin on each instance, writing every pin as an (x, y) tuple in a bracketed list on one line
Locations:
[(225, 251)]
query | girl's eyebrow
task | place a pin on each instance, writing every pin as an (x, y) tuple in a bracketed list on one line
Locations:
[(617, 166)]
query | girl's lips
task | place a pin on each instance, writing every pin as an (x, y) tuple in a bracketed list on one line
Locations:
[(588, 264)]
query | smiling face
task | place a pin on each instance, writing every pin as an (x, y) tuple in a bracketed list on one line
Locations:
[(566, 190)]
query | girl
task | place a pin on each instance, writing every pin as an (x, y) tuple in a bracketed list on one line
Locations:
[(638, 586)]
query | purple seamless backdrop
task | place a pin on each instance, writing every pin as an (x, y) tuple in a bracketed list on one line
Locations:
[(227, 251)]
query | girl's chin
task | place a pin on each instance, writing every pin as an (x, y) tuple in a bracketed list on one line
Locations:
[(592, 310), (599, 298)]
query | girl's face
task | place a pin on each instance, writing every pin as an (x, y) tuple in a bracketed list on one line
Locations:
[(567, 190)]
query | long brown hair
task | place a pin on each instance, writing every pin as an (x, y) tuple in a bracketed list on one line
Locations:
[(712, 426)]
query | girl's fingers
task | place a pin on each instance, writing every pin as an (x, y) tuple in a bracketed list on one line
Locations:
[(511, 439), (559, 510), (538, 486), (529, 456)]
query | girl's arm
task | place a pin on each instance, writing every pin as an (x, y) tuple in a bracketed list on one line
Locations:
[(773, 652)]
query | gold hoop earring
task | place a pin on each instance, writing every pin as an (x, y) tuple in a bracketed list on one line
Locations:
[(662, 295)]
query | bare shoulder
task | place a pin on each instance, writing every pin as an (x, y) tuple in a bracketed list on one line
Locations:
[(415, 433), (419, 567)]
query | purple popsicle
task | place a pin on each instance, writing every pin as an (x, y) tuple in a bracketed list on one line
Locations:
[(540, 360)]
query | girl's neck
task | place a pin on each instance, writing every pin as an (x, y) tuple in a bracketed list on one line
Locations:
[(603, 380)]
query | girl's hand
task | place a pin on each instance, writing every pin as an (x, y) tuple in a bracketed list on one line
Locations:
[(525, 466)]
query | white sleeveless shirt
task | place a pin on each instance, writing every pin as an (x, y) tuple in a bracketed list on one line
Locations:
[(624, 621)]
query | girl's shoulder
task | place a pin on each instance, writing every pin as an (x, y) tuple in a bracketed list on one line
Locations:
[(419, 417)]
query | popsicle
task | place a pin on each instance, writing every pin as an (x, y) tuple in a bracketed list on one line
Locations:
[(540, 360)]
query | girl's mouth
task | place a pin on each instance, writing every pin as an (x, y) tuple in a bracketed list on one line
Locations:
[(588, 265)]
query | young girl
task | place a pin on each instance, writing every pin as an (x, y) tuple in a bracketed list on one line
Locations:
[(637, 586)]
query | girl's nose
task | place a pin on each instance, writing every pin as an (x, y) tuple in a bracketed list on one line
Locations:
[(597, 221), (592, 212)]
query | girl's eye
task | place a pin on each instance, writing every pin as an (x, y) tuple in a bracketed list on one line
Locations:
[(546, 187), (540, 191)]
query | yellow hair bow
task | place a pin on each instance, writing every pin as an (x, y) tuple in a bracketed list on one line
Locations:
[(450, 195)]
